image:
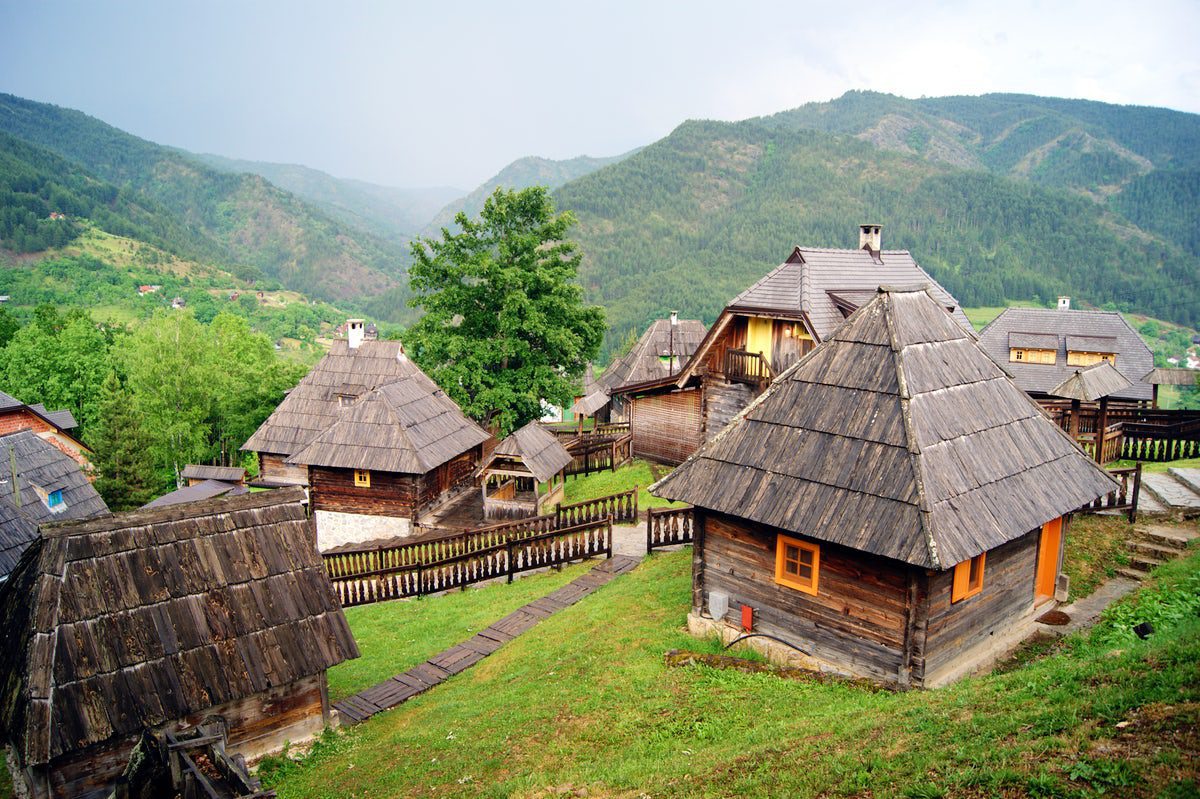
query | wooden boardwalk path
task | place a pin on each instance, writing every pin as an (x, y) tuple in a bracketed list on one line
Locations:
[(421, 678)]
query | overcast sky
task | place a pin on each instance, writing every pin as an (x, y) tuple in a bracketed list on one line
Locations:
[(448, 93)]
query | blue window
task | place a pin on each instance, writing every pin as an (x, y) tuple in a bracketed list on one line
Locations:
[(55, 499)]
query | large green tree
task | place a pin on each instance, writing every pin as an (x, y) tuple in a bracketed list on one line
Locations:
[(121, 450), (505, 327)]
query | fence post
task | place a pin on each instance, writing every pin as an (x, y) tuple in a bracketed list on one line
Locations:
[(509, 549), (608, 537), (1137, 489), (636, 489), (649, 530)]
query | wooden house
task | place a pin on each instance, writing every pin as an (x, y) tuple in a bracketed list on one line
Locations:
[(39, 483), (353, 367), (525, 474), (1042, 347), (56, 427), (762, 332), (399, 451), (198, 473), (159, 619), (893, 506)]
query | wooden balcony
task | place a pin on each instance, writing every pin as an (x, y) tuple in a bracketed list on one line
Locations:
[(747, 367)]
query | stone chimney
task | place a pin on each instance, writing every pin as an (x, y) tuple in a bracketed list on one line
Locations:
[(1064, 303), (870, 238), (355, 331)]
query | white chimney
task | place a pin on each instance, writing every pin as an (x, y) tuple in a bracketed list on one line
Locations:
[(674, 318), (870, 238), (355, 330), (1064, 303)]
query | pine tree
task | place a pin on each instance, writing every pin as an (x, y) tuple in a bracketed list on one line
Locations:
[(120, 450)]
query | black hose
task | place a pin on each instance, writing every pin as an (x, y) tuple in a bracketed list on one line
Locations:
[(772, 637)]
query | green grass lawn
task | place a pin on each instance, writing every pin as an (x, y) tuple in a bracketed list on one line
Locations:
[(1096, 548), (395, 636), (584, 705), (1151, 466), (638, 473)]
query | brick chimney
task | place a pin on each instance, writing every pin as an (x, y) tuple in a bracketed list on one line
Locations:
[(355, 331), (1064, 303), (870, 238)]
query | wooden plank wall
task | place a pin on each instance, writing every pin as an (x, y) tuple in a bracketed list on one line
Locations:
[(258, 725), (273, 466), (723, 401), (1008, 578), (857, 620), (667, 427), (390, 493), (734, 337)]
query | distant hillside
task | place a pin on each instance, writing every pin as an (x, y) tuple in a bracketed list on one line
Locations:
[(250, 223), (521, 174), (392, 213), (694, 218)]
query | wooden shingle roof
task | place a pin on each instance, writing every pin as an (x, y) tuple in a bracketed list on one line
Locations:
[(1091, 383), (409, 425), (1082, 331), (1161, 376), (649, 359), (141, 618), (205, 489), (537, 448), (42, 469), (229, 474), (314, 404), (898, 436)]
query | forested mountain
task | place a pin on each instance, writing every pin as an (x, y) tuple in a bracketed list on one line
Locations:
[(239, 219), (393, 213), (694, 218), (521, 174)]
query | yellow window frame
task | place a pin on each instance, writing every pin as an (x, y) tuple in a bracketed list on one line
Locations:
[(793, 558), (968, 578), (362, 478)]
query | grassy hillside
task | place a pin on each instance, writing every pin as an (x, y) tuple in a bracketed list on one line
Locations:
[(693, 219), (583, 705), (393, 213), (244, 221), (520, 174)]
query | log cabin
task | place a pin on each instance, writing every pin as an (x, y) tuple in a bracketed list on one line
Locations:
[(354, 365), (525, 474), (156, 620), (1042, 347), (893, 506), (762, 332), (56, 427), (39, 483), (399, 451)]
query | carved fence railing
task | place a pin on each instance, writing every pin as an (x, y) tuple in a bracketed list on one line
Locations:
[(1112, 442), (593, 453), (746, 367), (669, 526), (1153, 441), (622, 508), (1124, 497), (521, 552)]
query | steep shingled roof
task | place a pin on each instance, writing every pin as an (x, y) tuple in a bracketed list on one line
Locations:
[(645, 362), (314, 404), (42, 469), (141, 618), (408, 425), (64, 420), (1088, 331), (1091, 383), (537, 448), (898, 436)]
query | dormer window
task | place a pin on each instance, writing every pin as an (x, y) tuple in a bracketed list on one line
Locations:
[(1027, 355), (1089, 358), (1087, 350), (1033, 348), (54, 500)]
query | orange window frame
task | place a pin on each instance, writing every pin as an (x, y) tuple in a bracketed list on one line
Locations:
[(362, 478), (793, 558), (968, 578)]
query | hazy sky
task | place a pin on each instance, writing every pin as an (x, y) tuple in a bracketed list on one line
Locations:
[(448, 93)]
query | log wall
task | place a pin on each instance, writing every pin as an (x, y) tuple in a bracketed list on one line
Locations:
[(390, 493), (1006, 599), (857, 621), (667, 427), (258, 725), (272, 467)]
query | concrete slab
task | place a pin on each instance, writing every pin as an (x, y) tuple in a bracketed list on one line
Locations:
[(1189, 477), (1171, 492)]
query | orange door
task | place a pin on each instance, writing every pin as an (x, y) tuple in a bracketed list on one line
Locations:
[(1047, 565)]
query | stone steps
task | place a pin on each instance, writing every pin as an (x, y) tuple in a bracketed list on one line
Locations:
[(1174, 489), (1154, 545)]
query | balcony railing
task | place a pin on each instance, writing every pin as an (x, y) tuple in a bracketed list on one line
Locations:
[(747, 367)]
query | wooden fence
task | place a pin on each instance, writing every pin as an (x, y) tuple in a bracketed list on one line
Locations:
[(621, 508), (1155, 441), (595, 453), (1126, 496), (668, 526), (519, 553), (1136, 434), (747, 367)]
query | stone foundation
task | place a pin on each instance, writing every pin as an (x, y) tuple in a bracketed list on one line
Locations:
[(335, 529)]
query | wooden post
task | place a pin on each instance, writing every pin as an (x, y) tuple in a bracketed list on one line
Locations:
[(1154, 398), (509, 549), (1074, 423), (1137, 489), (1101, 426)]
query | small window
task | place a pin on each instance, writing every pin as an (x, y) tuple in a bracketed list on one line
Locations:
[(54, 499), (968, 578), (797, 564), (362, 478)]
